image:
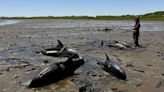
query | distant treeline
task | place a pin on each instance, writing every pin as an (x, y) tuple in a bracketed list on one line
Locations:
[(50, 17), (149, 16)]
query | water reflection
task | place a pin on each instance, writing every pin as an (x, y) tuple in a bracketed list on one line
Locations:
[(6, 22)]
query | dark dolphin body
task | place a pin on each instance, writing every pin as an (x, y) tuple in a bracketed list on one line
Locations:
[(113, 68), (56, 72), (60, 51)]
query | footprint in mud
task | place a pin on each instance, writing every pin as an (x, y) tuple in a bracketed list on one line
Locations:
[(137, 70), (130, 65), (142, 50), (85, 87), (1, 73), (162, 74), (45, 61), (139, 84), (149, 65), (141, 71), (89, 87), (15, 76), (91, 73), (118, 90), (30, 70), (160, 54)]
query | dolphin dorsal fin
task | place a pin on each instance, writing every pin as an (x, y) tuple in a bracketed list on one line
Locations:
[(60, 44), (107, 58)]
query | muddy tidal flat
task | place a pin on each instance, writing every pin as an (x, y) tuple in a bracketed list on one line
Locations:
[(20, 62)]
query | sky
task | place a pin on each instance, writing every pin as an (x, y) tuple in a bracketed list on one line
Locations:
[(12, 8)]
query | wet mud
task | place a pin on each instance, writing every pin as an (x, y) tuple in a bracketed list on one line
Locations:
[(20, 62)]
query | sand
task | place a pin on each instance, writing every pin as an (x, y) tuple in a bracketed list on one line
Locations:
[(19, 62)]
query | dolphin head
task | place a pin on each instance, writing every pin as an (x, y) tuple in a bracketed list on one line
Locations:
[(73, 63), (114, 68), (47, 76), (118, 71), (56, 72)]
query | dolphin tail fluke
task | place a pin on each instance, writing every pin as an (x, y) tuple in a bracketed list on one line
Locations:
[(43, 52), (60, 44)]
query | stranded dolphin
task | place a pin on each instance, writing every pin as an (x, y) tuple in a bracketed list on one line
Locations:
[(113, 68), (124, 45), (60, 51), (120, 45), (56, 72)]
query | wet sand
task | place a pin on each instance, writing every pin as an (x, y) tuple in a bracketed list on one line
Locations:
[(19, 62)]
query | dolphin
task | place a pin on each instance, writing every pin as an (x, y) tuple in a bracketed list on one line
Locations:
[(113, 68), (60, 51), (56, 72), (119, 44), (123, 43)]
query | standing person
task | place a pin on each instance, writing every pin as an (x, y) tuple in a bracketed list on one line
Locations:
[(136, 30)]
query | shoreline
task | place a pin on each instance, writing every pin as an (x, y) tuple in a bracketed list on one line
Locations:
[(112, 19), (4, 22)]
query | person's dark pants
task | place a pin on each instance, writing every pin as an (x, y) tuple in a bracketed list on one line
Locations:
[(136, 37)]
